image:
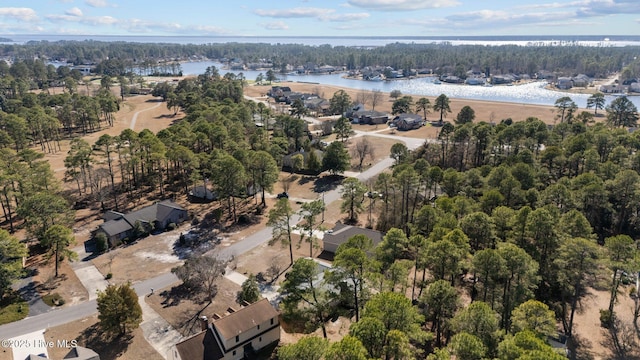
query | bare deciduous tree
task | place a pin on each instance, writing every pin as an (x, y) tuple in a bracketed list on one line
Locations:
[(201, 274), (363, 97), (362, 150), (376, 98)]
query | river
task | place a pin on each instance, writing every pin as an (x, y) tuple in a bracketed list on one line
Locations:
[(533, 93)]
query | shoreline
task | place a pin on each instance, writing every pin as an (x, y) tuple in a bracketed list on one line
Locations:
[(485, 110)]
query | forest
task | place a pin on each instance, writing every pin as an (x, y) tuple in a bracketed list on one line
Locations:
[(494, 233), (119, 57)]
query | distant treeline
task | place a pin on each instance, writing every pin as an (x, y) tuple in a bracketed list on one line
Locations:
[(442, 58)]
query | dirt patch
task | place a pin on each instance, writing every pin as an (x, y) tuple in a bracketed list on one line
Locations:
[(144, 259), (179, 309), (67, 284), (591, 336), (485, 110), (88, 334)]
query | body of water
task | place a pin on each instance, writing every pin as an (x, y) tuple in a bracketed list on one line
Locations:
[(530, 93)]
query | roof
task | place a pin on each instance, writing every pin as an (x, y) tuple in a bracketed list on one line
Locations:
[(202, 346), (408, 117), (341, 233), (36, 357), (244, 319), (369, 113), (83, 353), (115, 227), (158, 211)]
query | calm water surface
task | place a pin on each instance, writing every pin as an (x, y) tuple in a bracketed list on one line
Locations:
[(531, 93)]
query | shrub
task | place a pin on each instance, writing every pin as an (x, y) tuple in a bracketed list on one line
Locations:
[(101, 242), (171, 226), (54, 299), (108, 276), (607, 318)]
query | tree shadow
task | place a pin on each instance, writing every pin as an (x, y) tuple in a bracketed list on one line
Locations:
[(175, 296), (305, 179), (191, 324), (109, 347), (327, 183), (580, 348)]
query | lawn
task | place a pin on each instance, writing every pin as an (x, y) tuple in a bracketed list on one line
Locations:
[(13, 308)]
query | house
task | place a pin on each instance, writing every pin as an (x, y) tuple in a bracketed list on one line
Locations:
[(475, 81), (370, 117), (118, 226), (407, 121), (613, 89), (581, 80), (318, 106), (81, 353), (237, 335), (564, 83), (342, 232)]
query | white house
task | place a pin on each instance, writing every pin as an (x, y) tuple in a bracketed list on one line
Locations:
[(235, 336)]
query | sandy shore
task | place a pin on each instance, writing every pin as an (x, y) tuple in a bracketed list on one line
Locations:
[(485, 110)]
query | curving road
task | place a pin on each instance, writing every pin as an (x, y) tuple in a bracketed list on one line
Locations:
[(61, 316)]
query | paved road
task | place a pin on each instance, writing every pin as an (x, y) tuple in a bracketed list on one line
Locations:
[(61, 316)]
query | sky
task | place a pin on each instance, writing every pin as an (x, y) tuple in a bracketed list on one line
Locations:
[(320, 17)]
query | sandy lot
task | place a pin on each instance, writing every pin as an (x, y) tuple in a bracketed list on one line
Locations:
[(485, 110), (155, 254)]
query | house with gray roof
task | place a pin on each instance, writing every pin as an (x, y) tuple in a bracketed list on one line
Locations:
[(342, 232), (81, 353), (370, 117), (119, 226), (237, 335)]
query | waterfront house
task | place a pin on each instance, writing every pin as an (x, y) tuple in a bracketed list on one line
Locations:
[(564, 83), (613, 89), (237, 335)]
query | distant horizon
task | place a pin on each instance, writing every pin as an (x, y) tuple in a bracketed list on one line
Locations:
[(344, 40)]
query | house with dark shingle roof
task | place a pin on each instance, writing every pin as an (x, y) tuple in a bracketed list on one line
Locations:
[(238, 335), (342, 232), (118, 226)]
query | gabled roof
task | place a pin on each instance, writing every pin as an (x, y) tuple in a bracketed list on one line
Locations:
[(244, 319), (341, 233), (202, 346), (82, 353), (369, 113), (156, 212), (408, 117), (115, 227)]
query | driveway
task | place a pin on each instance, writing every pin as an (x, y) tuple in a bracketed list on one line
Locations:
[(67, 314)]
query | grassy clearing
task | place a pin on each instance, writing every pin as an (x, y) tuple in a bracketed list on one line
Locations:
[(13, 308)]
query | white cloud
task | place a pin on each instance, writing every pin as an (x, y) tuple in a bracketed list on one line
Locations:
[(97, 3), (74, 12), (403, 5), (308, 12), (144, 26), (22, 14), (275, 25), (89, 20), (294, 12), (346, 17)]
